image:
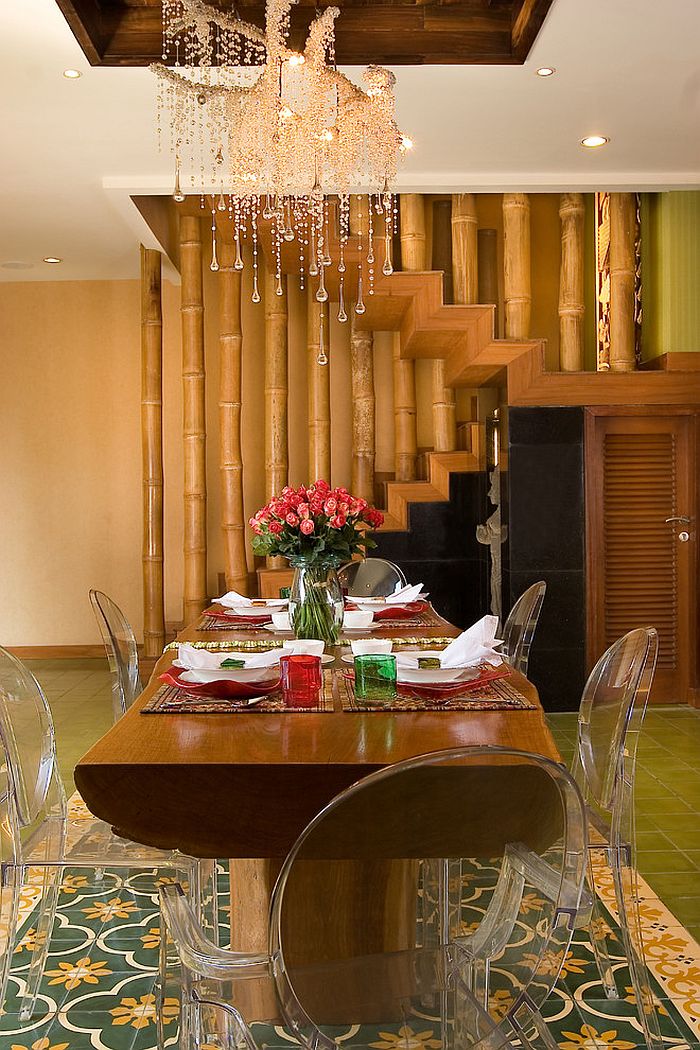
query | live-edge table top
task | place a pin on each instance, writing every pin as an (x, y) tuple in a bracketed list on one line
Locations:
[(246, 784)]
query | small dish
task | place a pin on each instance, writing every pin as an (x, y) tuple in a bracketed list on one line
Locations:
[(357, 618)]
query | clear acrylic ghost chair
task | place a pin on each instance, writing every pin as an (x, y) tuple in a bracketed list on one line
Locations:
[(371, 578), (610, 717), (122, 651), (344, 944), (36, 832), (519, 628)]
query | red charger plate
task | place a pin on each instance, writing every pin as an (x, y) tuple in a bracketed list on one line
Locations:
[(227, 689)]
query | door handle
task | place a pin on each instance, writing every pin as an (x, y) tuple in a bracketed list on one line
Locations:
[(680, 518)]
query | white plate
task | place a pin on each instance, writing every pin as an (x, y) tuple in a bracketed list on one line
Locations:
[(350, 659), (277, 630), (261, 604), (248, 612), (239, 674), (382, 603), (360, 630)]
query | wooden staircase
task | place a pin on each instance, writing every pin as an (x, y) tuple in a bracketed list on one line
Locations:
[(411, 304), (400, 494)]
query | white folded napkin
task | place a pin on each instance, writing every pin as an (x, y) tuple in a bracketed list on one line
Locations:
[(405, 594), (232, 600), (401, 596), (475, 645), (193, 659), (203, 660)]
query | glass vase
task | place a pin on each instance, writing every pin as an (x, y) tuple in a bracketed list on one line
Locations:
[(316, 602)]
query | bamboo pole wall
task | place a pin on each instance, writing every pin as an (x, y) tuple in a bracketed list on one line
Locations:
[(571, 303), (194, 418), (152, 451), (319, 390), (276, 394), (516, 262), (465, 269), (230, 462), (363, 411), (487, 252), (622, 267), (405, 439)]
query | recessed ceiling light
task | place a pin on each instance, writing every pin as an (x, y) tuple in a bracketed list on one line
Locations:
[(52, 259), (545, 71), (72, 74), (594, 141)]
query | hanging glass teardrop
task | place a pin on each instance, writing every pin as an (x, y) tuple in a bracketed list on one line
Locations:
[(322, 293), (387, 268), (214, 264), (178, 195), (359, 305), (279, 290), (222, 203), (238, 263), (322, 358), (342, 316)]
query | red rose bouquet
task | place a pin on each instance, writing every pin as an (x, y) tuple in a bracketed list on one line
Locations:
[(314, 523), (317, 528)]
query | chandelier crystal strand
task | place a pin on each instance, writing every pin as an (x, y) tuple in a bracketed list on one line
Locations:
[(284, 135)]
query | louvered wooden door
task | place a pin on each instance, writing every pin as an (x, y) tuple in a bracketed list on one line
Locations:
[(641, 568)]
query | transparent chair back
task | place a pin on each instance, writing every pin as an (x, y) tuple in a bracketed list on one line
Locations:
[(122, 651), (27, 736), (612, 709), (371, 578), (519, 628), (346, 941)]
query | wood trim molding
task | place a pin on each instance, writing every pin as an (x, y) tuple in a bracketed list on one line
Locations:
[(57, 652), (681, 361)]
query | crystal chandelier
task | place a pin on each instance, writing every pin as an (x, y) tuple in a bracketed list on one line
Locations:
[(278, 139)]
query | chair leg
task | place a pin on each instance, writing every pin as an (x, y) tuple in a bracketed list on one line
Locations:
[(627, 898), (51, 885), (11, 881), (204, 895), (599, 944)]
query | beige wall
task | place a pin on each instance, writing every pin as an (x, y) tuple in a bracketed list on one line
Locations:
[(70, 458)]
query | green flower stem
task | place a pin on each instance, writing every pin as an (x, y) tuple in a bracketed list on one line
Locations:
[(314, 616)]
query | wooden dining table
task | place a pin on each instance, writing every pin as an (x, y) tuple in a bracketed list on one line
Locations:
[(246, 784)]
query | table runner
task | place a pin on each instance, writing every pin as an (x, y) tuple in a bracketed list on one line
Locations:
[(169, 700), (495, 696), (271, 642)]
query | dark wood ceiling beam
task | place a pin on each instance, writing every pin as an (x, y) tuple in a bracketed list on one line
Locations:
[(397, 32)]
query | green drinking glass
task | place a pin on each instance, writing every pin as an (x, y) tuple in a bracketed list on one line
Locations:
[(375, 679)]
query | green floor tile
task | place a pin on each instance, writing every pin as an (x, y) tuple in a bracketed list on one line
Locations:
[(662, 807), (665, 860), (686, 909), (674, 884)]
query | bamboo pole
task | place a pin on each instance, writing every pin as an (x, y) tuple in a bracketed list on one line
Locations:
[(516, 264), (622, 267), (276, 393), (412, 214), (406, 444), (152, 451), (571, 304), (319, 390), (487, 252), (363, 411), (443, 397), (194, 418), (465, 267), (230, 459), (441, 253)]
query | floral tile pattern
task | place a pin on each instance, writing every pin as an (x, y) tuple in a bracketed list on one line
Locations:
[(98, 989)]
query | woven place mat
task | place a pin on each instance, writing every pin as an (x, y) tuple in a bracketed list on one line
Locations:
[(216, 623), (169, 700), (496, 696)]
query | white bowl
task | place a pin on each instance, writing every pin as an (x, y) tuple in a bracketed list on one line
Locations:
[(365, 646), (281, 621), (357, 619)]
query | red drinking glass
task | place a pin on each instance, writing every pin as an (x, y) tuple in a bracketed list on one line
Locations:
[(301, 679)]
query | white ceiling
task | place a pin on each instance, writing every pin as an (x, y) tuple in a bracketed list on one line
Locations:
[(73, 151)]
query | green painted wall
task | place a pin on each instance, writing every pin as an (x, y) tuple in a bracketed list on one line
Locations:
[(670, 272)]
